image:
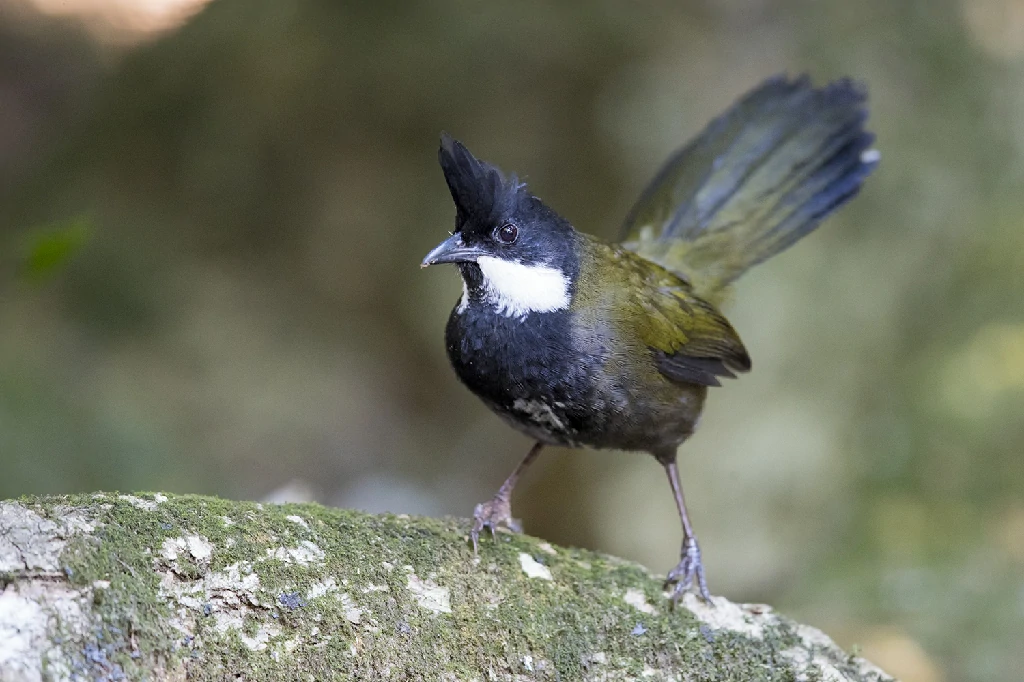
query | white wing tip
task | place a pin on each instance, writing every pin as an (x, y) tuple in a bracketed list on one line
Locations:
[(870, 156)]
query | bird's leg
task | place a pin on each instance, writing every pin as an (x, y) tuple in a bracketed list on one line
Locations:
[(498, 512), (690, 571)]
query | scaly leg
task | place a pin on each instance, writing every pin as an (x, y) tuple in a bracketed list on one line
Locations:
[(498, 512), (690, 568)]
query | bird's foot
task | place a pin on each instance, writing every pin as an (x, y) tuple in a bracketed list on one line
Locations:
[(689, 573), (490, 515)]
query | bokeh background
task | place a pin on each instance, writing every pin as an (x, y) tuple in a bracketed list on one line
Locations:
[(212, 216)]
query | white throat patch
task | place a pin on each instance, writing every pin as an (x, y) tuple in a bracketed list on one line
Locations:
[(516, 289)]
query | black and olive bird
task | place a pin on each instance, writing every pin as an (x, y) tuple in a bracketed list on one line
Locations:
[(581, 343)]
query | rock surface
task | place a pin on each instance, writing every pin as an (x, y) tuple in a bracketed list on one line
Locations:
[(159, 587)]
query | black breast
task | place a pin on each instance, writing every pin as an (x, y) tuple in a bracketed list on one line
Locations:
[(525, 369)]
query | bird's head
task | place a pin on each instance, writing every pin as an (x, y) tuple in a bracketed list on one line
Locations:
[(513, 252)]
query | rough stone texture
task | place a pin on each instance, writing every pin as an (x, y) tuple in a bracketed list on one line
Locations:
[(159, 587)]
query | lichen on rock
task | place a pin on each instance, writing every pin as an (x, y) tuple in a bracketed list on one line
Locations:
[(156, 587)]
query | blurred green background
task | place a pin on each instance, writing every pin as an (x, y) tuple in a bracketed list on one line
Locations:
[(212, 216)]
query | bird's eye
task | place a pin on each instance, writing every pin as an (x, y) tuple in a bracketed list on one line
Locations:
[(507, 233)]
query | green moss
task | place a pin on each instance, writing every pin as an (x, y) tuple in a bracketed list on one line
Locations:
[(500, 619)]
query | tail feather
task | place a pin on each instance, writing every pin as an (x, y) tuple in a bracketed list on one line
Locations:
[(759, 178)]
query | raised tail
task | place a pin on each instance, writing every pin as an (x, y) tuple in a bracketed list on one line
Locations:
[(757, 179)]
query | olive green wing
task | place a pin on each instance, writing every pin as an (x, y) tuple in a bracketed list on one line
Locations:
[(690, 340), (650, 309), (757, 179)]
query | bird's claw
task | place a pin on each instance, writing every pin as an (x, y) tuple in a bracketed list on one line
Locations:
[(689, 573), (490, 515)]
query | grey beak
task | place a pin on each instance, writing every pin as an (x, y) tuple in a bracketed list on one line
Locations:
[(452, 250)]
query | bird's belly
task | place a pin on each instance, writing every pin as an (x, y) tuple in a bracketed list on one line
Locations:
[(541, 421), (542, 381), (524, 371), (526, 394)]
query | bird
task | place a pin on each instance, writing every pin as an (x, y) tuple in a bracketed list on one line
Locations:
[(584, 343)]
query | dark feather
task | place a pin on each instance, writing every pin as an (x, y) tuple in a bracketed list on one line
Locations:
[(481, 192), (690, 370), (758, 178)]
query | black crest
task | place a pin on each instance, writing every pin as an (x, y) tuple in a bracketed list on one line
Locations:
[(480, 190)]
